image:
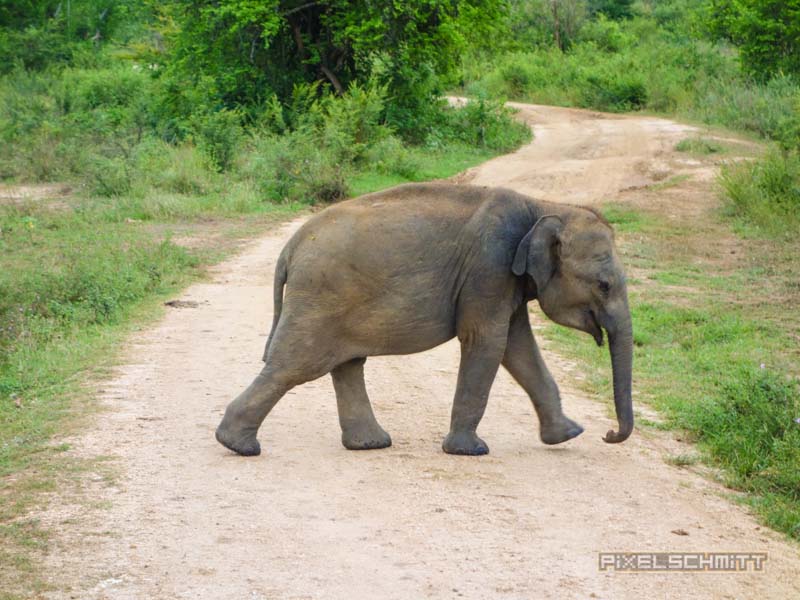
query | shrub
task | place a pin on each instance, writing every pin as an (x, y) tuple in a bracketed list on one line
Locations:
[(81, 91), (218, 135), (33, 48), (390, 156), (614, 91), (771, 110), (486, 124), (74, 124), (751, 429), (295, 167), (767, 33), (352, 121), (765, 192), (607, 35), (179, 169), (108, 176)]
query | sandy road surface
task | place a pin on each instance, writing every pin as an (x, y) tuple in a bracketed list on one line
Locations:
[(308, 519)]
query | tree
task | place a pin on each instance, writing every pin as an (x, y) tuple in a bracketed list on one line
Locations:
[(767, 33), (613, 9), (36, 34), (567, 16), (247, 50), (546, 22)]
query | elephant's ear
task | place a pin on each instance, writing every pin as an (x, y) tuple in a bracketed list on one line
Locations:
[(537, 253)]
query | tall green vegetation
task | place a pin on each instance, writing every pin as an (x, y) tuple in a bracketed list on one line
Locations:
[(241, 52), (766, 32), (765, 193), (40, 34), (729, 63), (667, 57), (287, 98)]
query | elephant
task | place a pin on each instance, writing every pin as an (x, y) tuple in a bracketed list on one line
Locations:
[(403, 270)]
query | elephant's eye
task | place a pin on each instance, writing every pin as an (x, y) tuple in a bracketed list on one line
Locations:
[(604, 286)]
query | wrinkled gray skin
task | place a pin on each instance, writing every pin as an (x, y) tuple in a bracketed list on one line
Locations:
[(407, 269)]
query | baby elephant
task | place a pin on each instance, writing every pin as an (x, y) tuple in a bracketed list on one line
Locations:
[(407, 269)]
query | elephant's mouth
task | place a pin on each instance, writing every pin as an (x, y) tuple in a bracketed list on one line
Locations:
[(593, 327)]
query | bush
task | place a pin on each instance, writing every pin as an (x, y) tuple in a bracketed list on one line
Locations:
[(767, 33), (616, 92), (390, 156), (353, 121), (751, 429), (108, 176), (179, 169), (33, 48), (612, 9), (486, 124), (771, 110), (607, 35), (80, 91), (74, 124), (33, 137), (765, 192), (295, 167), (218, 135)]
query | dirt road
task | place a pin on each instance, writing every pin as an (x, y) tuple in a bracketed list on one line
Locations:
[(308, 519)]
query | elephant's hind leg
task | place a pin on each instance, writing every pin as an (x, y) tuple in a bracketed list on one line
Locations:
[(524, 362), (291, 361), (244, 415), (360, 430)]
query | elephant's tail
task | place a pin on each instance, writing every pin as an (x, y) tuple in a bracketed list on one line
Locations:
[(281, 274)]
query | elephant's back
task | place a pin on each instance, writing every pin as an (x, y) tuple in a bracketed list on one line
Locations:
[(391, 224), (410, 235)]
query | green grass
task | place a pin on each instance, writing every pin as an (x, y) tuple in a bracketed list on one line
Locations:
[(428, 164), (699, 145), (70, 288), (764, 194), (711, 364), (624, 219)]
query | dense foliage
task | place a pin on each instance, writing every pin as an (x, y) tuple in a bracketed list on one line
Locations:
[(141, 94), (767, 33), (664, 57), (240, 52)]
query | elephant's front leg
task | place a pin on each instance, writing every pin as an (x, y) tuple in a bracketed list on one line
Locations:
[(480, 359), (524, 361)]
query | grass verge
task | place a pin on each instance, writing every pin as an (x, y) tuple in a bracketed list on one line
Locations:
[(764, 195)]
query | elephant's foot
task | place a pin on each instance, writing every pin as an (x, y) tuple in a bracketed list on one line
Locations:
[(243, 443), (369, 437), (464, 442), (563, 430)]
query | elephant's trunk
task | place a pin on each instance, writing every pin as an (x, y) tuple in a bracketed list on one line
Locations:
[(620, 343)]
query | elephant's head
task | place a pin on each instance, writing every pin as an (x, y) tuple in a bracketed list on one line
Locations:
[(580, 283)]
